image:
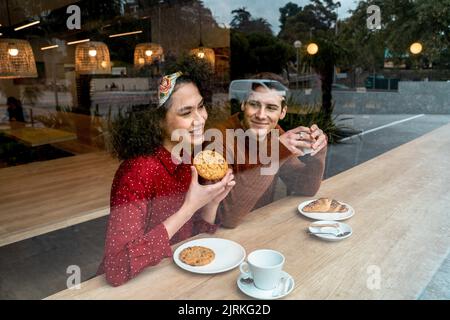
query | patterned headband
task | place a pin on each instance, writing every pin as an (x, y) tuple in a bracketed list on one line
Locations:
[(166, 86)]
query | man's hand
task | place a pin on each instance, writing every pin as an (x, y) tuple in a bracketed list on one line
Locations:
[(320, 138), (298, 139)]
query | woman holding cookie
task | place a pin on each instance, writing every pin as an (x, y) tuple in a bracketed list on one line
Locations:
[(156, 200)]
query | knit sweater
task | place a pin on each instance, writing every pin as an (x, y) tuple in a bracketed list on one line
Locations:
[(253, 190)]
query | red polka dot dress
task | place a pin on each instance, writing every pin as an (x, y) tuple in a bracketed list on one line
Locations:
[(145, 192)]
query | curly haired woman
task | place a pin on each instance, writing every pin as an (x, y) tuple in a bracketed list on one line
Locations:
[(156, 200)]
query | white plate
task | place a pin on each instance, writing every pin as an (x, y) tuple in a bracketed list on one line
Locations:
[(251, 290), (228, 255), (326, 215), (342, 227)]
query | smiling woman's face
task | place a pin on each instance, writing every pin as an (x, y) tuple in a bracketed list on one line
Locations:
[(187, 114)]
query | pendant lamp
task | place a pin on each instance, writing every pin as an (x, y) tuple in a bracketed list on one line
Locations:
[(92, 58), (16, 59), (147, 54)]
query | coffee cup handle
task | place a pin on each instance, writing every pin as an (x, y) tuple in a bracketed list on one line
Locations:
[(245, 269)]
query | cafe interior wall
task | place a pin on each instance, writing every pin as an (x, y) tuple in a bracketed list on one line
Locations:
[(22, 10), (175, 27), (57, 71)]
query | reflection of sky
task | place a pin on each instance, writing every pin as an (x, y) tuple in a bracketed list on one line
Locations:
[(268, 9)]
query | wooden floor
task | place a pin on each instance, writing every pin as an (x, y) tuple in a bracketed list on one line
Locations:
[(40, 197)]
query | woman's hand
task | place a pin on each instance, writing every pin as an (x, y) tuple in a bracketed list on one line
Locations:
[(197, 197), (229, 177), (200, 195), (209, 211)]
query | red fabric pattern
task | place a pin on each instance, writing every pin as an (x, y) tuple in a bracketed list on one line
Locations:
[(145, 192)]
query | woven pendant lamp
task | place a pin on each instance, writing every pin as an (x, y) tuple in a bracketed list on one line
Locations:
[(92, 58), (205, 53), (16, 59), (147, 53)]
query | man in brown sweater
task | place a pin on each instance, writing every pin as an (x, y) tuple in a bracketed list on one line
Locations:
[(299, 155)]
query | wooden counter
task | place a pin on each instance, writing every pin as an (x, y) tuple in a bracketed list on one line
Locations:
[(400, 231)]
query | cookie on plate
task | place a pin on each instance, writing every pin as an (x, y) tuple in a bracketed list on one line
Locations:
[(197, 256), (210, 165)]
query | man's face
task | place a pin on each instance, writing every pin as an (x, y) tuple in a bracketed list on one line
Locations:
[(262, 110)]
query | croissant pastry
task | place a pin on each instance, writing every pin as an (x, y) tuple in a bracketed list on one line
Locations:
[(325, 205)]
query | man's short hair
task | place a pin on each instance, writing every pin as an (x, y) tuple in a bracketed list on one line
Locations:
[(267, 85)]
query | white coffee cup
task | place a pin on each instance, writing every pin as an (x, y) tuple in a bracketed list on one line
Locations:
[(264, 267)]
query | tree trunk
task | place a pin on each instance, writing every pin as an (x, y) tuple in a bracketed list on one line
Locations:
[(327, 82)]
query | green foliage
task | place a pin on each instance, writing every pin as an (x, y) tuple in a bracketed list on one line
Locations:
[(297, 23), (254, 48), (258, 52), (330, 53), (403, 22), (245, 23)]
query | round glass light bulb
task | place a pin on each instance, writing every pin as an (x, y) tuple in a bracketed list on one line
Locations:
[(415, 48), (312, 48), (13, 51)]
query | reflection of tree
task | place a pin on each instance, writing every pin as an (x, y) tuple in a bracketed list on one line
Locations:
[(365, 47), (100, 9), (257, 52), (403, 22), (331, 52), (298, 23), (20, 10), (94, 15), (180, 27), (244, 22), (254, 49)]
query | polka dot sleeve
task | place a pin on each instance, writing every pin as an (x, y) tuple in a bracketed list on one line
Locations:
[(129, 246)]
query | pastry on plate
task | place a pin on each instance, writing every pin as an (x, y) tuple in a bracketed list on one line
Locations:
[(210, 165), (325, 205), (197, 256)]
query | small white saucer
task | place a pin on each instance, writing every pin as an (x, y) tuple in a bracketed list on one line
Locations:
[(251, 290), (342, 228)]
